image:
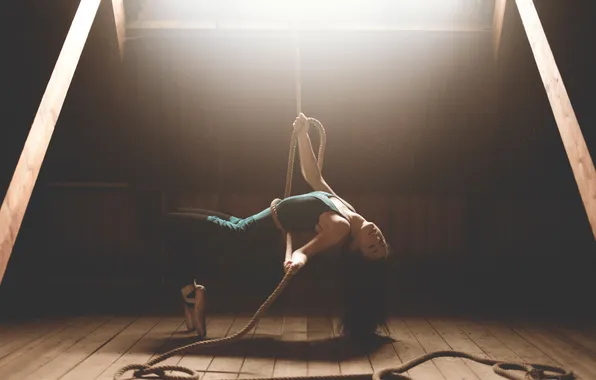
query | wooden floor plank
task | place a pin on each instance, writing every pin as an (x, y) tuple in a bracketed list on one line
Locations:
[(217, 327), (430, 340), (260, 359), (522, 347), (180, 337), (50, 348), (14, 334), (320, 362), (95, 364), (25, 337), (352, 360), (494, 348), (145, 347), (294, 354), (570, 357), (228, 366), (407, 347), (95, 347), (78, 352), (582, 337), (384, 357), (459, 341)]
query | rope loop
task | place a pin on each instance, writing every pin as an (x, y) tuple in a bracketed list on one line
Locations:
[(532, 371), (160, 372), (290, 172), (536, 374)]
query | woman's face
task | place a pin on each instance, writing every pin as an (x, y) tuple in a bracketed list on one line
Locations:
[(370, 241)]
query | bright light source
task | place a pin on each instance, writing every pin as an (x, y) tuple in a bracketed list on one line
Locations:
[(306, 11), (305, 14)]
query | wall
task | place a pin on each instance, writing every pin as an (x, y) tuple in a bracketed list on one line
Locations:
[(468, 178)]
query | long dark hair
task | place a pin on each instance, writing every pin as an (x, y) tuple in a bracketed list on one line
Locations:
[(364, 287)]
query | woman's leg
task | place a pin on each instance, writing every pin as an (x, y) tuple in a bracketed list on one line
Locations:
[(255, 254), (200, 211), (258, 224), (187, 247), (193, 240)]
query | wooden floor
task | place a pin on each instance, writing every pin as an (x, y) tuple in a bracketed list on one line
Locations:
[(94, 347)]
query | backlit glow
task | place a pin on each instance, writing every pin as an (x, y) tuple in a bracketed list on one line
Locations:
[(305, 14)]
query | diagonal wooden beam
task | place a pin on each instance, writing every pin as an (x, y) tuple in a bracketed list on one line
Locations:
[(29, 164), (120, 23), (569, 129), (498, 17)]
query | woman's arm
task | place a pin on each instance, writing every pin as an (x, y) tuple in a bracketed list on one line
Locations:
[(334, 229), (308, 162)]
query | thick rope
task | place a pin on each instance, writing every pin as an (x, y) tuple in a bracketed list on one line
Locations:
[(290, 172), (505, 369), (142, 370), (150, 368)]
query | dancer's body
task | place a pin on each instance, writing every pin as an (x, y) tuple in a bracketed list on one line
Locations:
[(335, 222)]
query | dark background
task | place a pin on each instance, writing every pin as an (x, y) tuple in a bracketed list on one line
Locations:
[(455, 154)]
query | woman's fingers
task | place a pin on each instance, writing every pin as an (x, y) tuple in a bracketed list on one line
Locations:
[(290, 265), (301, 123)]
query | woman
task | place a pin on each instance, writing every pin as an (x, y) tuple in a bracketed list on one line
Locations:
[(336, 223)]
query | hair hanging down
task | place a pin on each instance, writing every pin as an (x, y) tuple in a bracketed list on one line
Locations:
[(364, 287)]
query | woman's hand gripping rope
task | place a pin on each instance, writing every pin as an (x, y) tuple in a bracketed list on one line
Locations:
[(297, 261), (301, 124)]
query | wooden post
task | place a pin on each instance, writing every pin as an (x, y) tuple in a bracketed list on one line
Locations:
[(29, 164), (120, 23), (498, 17), (571, 134)]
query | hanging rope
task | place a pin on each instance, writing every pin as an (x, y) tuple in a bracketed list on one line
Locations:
[(150, 369), (294, 139), (290, 172)]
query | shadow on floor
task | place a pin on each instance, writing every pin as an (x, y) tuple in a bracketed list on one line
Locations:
[(334, 349)]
